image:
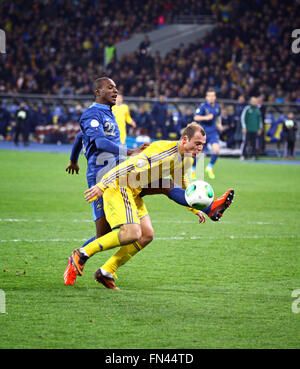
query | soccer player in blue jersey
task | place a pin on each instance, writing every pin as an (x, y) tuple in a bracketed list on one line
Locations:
[(209, 115), (100, 140)]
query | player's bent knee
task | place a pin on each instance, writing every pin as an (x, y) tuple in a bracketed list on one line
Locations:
[(130, 233)]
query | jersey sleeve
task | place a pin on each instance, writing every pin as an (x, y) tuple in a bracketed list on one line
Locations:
[(93, 128), (76, 148), (200, 110)]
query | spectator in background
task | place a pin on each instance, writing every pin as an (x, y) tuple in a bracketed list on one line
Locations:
[(34, 119), (251, 128), (169, 129), (21, 124), (145, 45), (66, 89), (261, 138), (238, 135), (228, 131), (188, 117), (45, 117), (159, 117), (290, 128), (64, 118), (4, 121), (143, 120), (77, 113)]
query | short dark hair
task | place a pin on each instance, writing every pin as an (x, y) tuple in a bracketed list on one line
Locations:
[(191, 129), (98, 83), (211, 89)]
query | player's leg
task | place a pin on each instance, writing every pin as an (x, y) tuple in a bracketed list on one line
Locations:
[(125, 253), (163, 186), (17, 134), (77, 259), (121, 214), (292, 149), (106, 273), (102, 227), (288, 149), (177, 194), (213, 139), (253, 144), (167, 187), (124, 222), (245, 146)]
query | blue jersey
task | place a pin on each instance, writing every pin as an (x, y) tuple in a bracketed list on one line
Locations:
[(99, 128), (205, 109)]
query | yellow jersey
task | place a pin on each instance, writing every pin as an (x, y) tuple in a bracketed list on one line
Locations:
[(122, 115), (159, 160)]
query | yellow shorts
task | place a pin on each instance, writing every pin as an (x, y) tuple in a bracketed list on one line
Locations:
[(122, 207)]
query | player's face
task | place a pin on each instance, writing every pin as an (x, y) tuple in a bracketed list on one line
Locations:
[(195, 145), (211, 97), (108, 92)]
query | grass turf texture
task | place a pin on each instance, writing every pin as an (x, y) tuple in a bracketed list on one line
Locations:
[(224, 284)]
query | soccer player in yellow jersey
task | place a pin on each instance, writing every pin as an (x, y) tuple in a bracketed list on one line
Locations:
[(124, 208), (123, 117)]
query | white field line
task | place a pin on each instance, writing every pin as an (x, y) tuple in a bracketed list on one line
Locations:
[(153, 221), (179, 238)]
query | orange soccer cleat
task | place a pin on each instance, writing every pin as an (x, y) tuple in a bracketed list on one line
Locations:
[(220, 204), (75, 267), (106, 279), (70, 274)]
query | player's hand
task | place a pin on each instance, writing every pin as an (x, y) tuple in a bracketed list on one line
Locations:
[(72, 167), (93, 194), (201, 216), (209, 116), (133, 124), (138, 149)]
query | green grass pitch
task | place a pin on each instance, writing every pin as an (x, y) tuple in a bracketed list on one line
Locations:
[(224, 284)]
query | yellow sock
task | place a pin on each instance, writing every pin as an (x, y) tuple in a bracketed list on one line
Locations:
[(106, 242), (121, 257)]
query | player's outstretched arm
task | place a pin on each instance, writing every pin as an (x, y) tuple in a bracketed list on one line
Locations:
[(77, 146), (200, 118), (93, 193), (131, 152)]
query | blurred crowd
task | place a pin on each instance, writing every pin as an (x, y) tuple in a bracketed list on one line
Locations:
[(159, 120), (57, 47), (249, 53)]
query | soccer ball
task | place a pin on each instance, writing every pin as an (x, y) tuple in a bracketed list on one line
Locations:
[(289, 123), (199, 195), (21, 114)]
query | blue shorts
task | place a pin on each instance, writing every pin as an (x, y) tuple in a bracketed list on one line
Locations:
[(97, 208), (212, 137)]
